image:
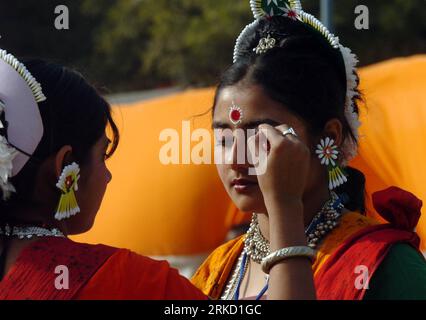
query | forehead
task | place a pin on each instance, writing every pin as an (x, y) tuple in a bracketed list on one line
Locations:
[(255, 105)]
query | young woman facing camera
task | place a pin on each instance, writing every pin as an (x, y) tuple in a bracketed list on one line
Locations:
[(294, 83)]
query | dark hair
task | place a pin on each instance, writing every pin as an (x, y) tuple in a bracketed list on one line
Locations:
[(305, 74), (74, 114)]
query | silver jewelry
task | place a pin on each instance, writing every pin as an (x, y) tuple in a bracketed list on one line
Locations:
[(290, 252), (257, 247), (255, 244), (324, 221), (265, 44), (29, 232), (231, 287), (289, 131)]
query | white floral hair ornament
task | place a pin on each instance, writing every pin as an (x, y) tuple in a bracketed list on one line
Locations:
[(293, 9), (23, 128), (328, 154), (68, 184)]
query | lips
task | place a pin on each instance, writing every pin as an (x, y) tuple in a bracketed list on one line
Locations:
[(243, 184)]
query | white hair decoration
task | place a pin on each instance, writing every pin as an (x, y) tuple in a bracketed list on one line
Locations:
[(23, 128)]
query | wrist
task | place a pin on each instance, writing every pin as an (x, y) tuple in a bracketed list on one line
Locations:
[(284, 209), (286, 226), (282, 200), (286, 253)]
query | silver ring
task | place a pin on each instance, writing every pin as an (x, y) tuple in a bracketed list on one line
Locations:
[(289, 131)]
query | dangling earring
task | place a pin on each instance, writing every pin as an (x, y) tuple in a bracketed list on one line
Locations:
[(67, 183), (327, 152)]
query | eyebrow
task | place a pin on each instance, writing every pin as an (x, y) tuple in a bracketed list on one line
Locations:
[(247, 125)]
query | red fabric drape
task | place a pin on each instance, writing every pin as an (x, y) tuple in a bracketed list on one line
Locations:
[(367, 248)]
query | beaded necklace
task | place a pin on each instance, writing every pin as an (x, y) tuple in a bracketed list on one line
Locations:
[(29, 231), (256, 247)]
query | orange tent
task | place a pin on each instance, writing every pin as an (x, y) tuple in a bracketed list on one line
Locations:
[(392, 148), (157, 209)]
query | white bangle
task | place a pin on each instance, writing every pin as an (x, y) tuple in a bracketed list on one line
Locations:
[(290, 252)]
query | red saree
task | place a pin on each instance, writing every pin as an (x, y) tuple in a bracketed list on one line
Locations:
[(94, 272)]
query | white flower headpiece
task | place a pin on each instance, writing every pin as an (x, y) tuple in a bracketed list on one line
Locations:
[(23, 127), (293, 9)]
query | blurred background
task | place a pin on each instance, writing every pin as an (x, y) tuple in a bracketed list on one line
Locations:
[(127, 45), (158, 61)]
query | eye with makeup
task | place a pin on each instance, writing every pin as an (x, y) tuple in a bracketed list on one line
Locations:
[(224, 140), (224, 137)]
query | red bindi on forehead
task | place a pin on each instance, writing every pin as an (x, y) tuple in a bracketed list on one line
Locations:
[(235, 114)]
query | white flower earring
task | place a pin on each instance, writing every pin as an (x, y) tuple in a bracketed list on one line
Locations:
[(327, 152), (67, 183)]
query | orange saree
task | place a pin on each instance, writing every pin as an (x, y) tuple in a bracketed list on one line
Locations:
[(94, 272), (358, 240), (212, 276)]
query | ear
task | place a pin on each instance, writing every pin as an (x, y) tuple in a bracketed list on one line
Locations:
[(62, 158), (334, 129)]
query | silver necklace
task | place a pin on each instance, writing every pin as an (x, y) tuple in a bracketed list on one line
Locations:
[(29, 232), (257, 247), (255, 244), (231, 287)]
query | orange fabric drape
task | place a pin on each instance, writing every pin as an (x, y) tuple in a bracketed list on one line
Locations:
[(392, 148), (157, 209)]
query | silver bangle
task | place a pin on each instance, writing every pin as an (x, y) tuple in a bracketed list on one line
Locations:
[(290, 252)]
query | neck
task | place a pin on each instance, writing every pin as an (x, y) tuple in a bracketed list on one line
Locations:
[(27, 217), (312, 204)]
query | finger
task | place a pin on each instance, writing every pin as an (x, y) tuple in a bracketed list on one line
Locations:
[(282, 127), (257, 155), (253, 147), (287, 131), (257, 144), (277, 134)]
